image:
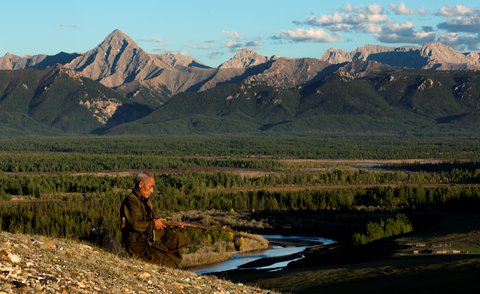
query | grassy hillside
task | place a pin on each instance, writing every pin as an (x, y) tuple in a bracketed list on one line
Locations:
[(19, 124)]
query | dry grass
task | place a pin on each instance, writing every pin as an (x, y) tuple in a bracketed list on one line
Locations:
[(204, 256), (222, 250), (38, 264)]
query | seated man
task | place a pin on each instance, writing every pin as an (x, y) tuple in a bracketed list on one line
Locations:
[(144, 235)]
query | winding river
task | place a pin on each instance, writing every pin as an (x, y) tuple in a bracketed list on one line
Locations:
[(282, 250)]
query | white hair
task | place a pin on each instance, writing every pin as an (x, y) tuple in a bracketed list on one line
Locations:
[(142, 176)]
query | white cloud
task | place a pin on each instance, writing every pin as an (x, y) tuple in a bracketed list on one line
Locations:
[(370, 28), (360, 18), (456, 10), (460, 41), (460, 27), (325, 19), (469, 24), (215, 54), (348, 7), (401, 9), (419, 37), (176, 52), (340, 27), (232, 44), (310, 34), (399, 26), (69, 26), (151, 39), (232, 34), (404, 33), (253, 43), (375, 9), (376, 18)]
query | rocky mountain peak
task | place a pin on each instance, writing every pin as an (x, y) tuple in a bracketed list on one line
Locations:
[(244, 58), (10, 55), (334, 56), (430, 56), (180, 60), (363, 52), (437, 49), (443, 57), (117, 39), (11, 61), (113, 61)]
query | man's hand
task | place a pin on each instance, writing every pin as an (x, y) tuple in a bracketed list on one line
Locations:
[(159, 225)]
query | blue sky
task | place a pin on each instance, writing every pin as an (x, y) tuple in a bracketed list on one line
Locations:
[(213, 30)]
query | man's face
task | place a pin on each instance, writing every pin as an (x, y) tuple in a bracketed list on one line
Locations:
[(146, 188)]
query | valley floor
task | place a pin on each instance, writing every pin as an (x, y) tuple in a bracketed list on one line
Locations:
[(403, 271)]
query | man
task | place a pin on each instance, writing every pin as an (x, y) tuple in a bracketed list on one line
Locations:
[(144, 235)]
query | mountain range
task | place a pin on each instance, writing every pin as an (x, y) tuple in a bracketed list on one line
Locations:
[(118, 88)]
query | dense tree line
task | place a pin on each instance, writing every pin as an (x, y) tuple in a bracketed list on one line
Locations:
[(200, 185), (290, 146), (378, 198), (79, 162), (69, 206), (74, 213), (388, 227), (436, 167)]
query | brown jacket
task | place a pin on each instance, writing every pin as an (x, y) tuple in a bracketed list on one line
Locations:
[(137, 216)]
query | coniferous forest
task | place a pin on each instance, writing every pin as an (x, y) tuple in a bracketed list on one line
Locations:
[(64, 186)]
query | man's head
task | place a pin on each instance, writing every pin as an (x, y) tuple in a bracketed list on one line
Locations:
[(144, 183)]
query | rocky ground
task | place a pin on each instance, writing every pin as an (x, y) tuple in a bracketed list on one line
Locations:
[(38, 264)]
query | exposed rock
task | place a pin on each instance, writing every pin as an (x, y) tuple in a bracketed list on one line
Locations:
[(11, 62), (180, 60), (367, 52), (443, 57), (117, 59), (72, 267), (335, 56), (101, 108), (359, 69), (244, 58), (426, 84), (119, 63), (289, 72), (429, 56)]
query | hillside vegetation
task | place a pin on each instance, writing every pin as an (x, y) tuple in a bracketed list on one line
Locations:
[(373, 195), (39, 264), (394, 102)]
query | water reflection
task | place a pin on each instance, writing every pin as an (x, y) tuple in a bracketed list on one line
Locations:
[(290, 246)]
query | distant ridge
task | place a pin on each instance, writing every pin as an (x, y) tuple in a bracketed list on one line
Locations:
[(118, 88), (244, 58), (429, 56), (118, 62)]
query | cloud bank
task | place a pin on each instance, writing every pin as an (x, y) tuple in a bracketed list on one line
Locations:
[(457, 25)]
